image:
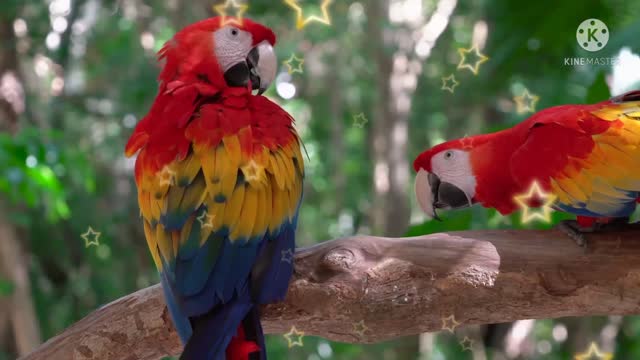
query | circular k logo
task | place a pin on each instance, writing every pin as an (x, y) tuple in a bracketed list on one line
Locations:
[(592, 34)]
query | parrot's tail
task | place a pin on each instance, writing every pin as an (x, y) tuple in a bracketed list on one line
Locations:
[(248, 344), (232, 329)]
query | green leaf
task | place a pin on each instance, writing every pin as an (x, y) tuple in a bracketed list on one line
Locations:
[(6, 288), (62, 208), (43, 176), (599, 90), (452, 221)]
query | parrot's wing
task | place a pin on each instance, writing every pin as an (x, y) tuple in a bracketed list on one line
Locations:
[(235, 187), (589, 156)]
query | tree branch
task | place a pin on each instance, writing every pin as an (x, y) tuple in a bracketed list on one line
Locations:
[(397, 287)]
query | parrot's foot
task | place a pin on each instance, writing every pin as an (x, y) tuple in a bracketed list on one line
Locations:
[(577, 232), (573, 229)]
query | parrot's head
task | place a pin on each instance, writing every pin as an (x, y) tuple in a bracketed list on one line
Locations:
[(445, 178), (233, 53)]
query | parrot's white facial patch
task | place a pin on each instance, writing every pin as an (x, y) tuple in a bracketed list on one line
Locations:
[(454, 166), (231, 46)]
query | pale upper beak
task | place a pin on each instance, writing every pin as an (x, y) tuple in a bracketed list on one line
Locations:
[(424, 194), (263, 65), (432, 194)]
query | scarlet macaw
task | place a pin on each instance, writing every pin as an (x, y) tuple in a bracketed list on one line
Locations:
[(588, 156), (219, 176)]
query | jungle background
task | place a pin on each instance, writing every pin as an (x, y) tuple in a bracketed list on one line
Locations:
[(76, 76)]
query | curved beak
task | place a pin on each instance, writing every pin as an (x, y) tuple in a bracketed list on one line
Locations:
[(432, 194), (263, 65)]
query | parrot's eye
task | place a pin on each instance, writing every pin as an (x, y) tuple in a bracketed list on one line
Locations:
[(448, 154), (234, 32)]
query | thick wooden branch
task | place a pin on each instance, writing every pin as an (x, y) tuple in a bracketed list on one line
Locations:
[(367, 289)]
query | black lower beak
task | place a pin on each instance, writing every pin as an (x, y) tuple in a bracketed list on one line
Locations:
[(434, 184), (241, 73), (446, 195), (255, 82), (451, 196), (237, 75), (252, 60)]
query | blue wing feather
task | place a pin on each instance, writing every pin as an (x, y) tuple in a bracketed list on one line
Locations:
[(271, 273)]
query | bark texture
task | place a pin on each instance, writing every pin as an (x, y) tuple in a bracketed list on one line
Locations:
[(368, 289), (17, 308)]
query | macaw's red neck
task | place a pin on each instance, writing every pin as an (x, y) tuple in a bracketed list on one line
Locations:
[(490, 158)]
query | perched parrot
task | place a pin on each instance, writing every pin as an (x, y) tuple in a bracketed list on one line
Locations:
[(219, 174), (587, 156)]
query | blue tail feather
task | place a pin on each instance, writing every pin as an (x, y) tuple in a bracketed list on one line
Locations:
[(253, 332), (180, 320), (213, 331)]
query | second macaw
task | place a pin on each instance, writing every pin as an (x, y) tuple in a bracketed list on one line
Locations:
[(219, 175), (588, 156)]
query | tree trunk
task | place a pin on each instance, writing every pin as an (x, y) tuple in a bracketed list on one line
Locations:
[(12, 93), (14, 266), (18, 311), (337, 129), (390, 173), (398, 74)]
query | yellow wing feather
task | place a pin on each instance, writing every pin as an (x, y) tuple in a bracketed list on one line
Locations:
[(243, 228), (151, 242), (610, 175), (268, 196)]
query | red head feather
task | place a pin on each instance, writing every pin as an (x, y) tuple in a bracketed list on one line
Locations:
[(189, 59), (423, 161), (190, 53)]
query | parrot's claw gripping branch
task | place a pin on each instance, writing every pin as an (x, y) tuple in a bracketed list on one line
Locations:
[(579, 233), (368, 289), (573, 230)]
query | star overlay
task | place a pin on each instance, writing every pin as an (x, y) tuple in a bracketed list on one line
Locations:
[(534, 194)]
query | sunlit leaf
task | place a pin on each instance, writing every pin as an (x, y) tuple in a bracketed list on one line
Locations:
[(62, 208)]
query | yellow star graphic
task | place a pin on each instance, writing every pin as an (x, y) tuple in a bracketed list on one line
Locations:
[(466, 142), (291, 68), (287, 255), (360, 328), (206, 220), (294, 333), (449, 323), (466, 343), (359, 120), (166, 176), (238, 9), (593, 353), (91, 233), (480, 58), (302, 21), (252, 171), (526, 102), (449, 83), (534, 193)]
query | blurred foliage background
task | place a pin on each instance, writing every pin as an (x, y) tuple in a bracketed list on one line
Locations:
[(76, 76)]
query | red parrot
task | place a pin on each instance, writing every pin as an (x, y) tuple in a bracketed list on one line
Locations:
[(587, 156), (219, 175)]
